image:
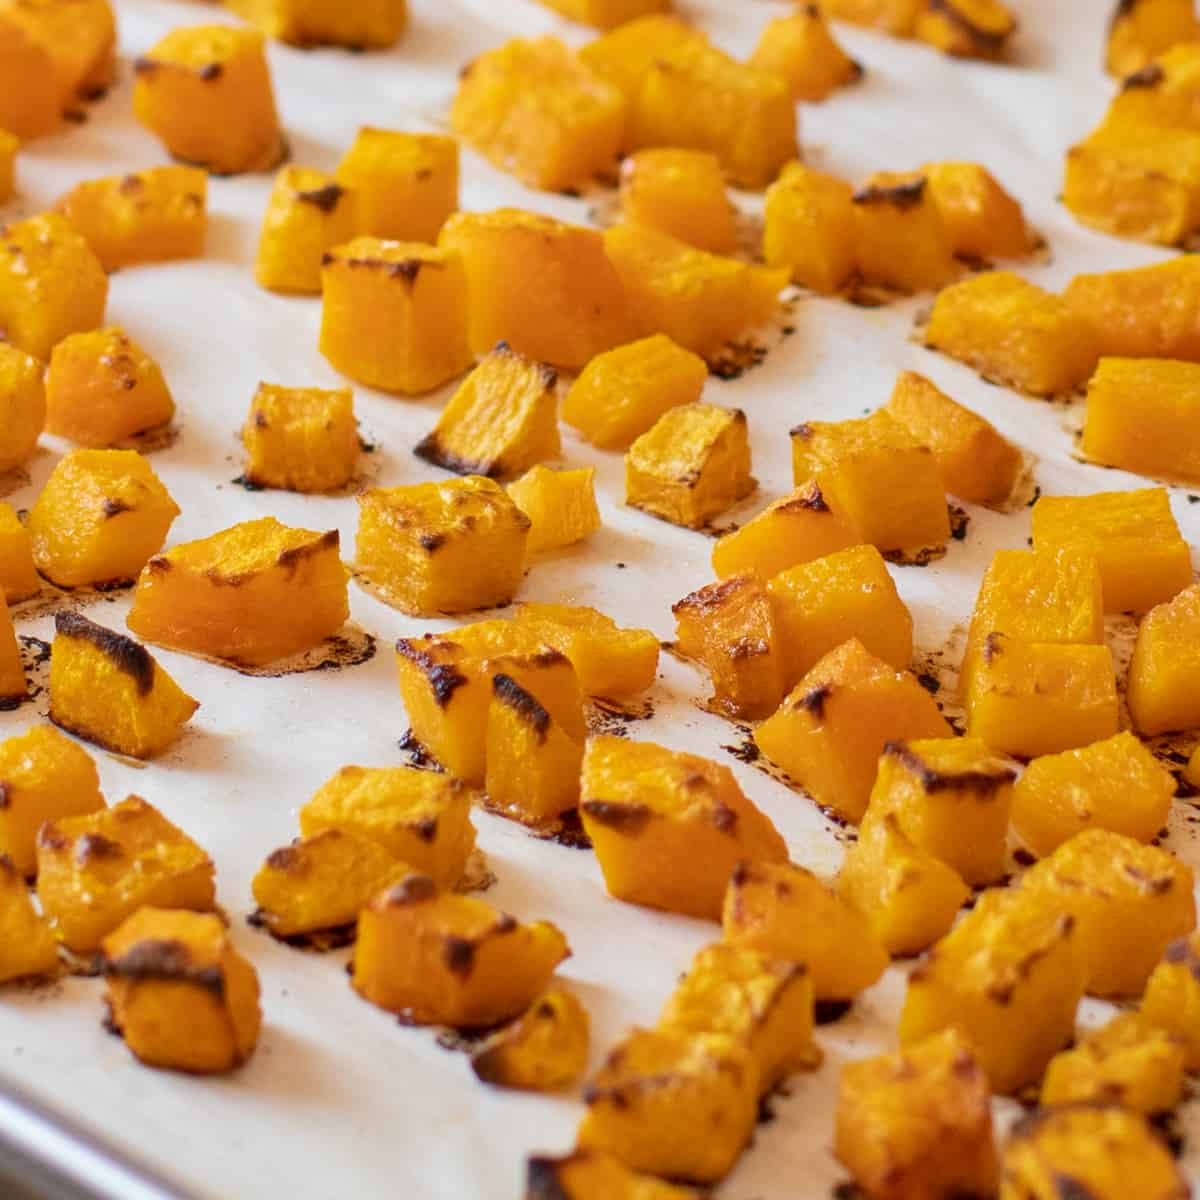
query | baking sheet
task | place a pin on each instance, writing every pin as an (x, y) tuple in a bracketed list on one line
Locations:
[(339, 1099)]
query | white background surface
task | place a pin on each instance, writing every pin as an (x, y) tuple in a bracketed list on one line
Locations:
[(340, 1100)]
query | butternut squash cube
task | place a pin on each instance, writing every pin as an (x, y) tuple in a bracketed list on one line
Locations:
[(79, 35), (32, 103), (593, 1175), (206, 92), (445, 547), (901, 240), (1164, 675), (301, 439), (657, 1088), (800, 48), (682, 193), (308, 214), (981, 219), (394, 314), (542, 1051), (624, 55), (179, 993), (97, 870), (18, 579), (1140, 30), (886, 483), (44, 776), (145, 216), (669, 827), (101, 515), (22, 406), (1009, 977), (27, 947), (830, 731), (897, 17), (103, 388), (621, 393), (966, 28), (51, 284), (13, 689), (786, 912), (765, 1003), (605, 14), (1116, 784), (917, 1122), (1171, 1001), (225, 596), (536, 109), (702, 301), (561, 506), (1014, 333), (545, 287), (422, 818), (1134, 537), (810, 228), (909, 898), (436, 958), (502, 420), (9, 145), (731, 629), (365, 25)]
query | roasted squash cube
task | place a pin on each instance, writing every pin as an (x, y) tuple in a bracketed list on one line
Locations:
[(206, 92), (981, 219), (692, 466), (437, 958), (605, 14), (301, 439), (620, 394), (901, 240), (659, 1089), (31, 102), (680, 192), (27, 947), (593, 1175), (9, 145), (442, 547), (786, 912), (897, 17), (13, 689), (810, 228), (800, 48), (1141, 30), (918, 1122), (79, 35), (1164, 675), (561, 506), (1172, 998), (18, 578), (624, 55), (22, 406), (669, 827), (966, 28), (542, 1051), (179, 993), (1013, 332), (367, 24), (225, 596), (94, 871)]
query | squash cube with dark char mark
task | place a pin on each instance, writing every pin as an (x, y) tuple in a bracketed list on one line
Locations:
[(13, 689), (440, 959), (901, 240), (668, 827), (27, 947), (31, 104), (249, 595), (18, 577), (366, 25), (179, 993), (1164, 675), (982, 220), (22, 405), (810, 228), (966, 28), (800, 48), (682, 193), (544, 1050), (561, 506), (1141, 30), (595, 1175), (80, 37), (1171, 1001)]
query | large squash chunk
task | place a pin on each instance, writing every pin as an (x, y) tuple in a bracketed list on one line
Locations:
[(79, 35), (901, 240), (27, 947), (1171, 1001), (594, 1175), (1164, 675), (669, 827), (206, 91), (810, 228), (982, 220), (442, 547), (179, 993), (18, 578), (680, 192), (13, 688), (99, 519), (1141, 30), (367, 24), (800, 48), (918, 1122), (436, 958), (95, 871), (301, 439), (31, 103), (605, 14), (966, 28), (543, 1051), (22, 406), (561, 506)]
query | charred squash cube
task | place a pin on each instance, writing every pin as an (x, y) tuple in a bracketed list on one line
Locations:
[(301, 439), (897, 17), (27, 947), (206, 92), (624, 55), (682, 193), (594, 1175), (1171, 1001), (22, 406), (542, 1051), (605, 14), (97, 870), (31, 104), (249, 595), (561, 506), (966, 28), (901, 240), (442, 547), (80, 37), (368, 24), (179, 993), (1164, 675), (9, 145), (18, 579), (810, 228), (982, 220), (13, 689), (1141, 30), (436, 958), (502, 420), (668, 827), (800, 48)]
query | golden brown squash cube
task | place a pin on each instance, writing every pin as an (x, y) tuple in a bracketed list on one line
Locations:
[(18, 579), (620, 394), (13, 689), (897, 17), (436, 958), (658, 1089), (692, 466), (364, 25), (502, 420), (593, 1175), (605, 14), (901, 240), (44, 776), (786, 912), (810, 228), (22, 406), (800, 48), (682, 193), (917, 1123), (394, 314), (9, 145), (886, 483), (31, 103), (146, 216), (982, 220), (1172, 998), (206, 92), (966, 28), (301, 439), (624, 55), (561, 506), (1010, 978), (27, 947), (51, 284), (1014, 333), (1164, 675), (80, 37), (422, 818), (103, 388), (1116, 784), (94, 871), (308, 214), (179, 993), (536, 109), (669, 827), (442, 547), (577, 308), (109, 690), (226, 596), (542, 1051), (1141, 30)]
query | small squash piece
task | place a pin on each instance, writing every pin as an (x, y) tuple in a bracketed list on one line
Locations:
[(981, 219), (1141, 30), (31, 103), (625, 54), (800, 48), (18, 578), (13, 688), (22, 406), (561, 506), (966, 28), (681, 193), (301, 439), (810, 228), (897, 17), (1171, 1001), (1164, 675), (543, 1051), (901, 240), (594, 1175), (605, 14), (364, 25), (27, 947)]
